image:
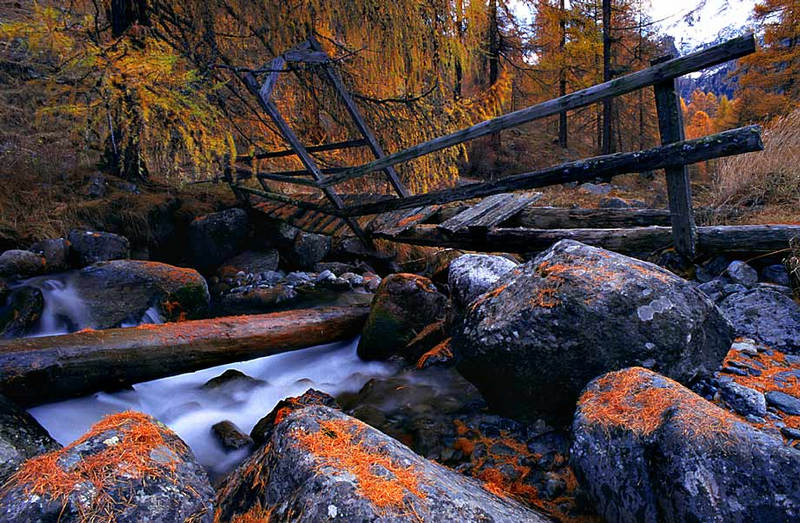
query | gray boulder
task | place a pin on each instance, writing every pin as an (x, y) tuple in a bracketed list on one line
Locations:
[(744, 400), (215, 237), (254, 262), (776, 274), (766, 316), (21, 437), (18, 264), (647, 449), (122, 291), (741, 273), (56, 253), (127, 468), (322, 465), (535, 340), (87, 247), (403, 305), (309, 249), (783, 402), (471, 275)]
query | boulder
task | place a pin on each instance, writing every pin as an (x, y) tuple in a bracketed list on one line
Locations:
[(741, 273), (535, 340), (254, 300), (121, 292), (262, 431), (215, 237), (309, 249), (744, 400), (18, 264), (253, 262), (403, 305), (56, 252), (648, 449), (766, 316), (21, 437), (127, 468), (776, 274), (321, 464), (20, 311), (230, 436), (471, 275), (87, 247), (784, 402), (233, 380)]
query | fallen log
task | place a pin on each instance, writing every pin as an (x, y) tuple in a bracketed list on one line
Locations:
[(41, 370), (755, 239)]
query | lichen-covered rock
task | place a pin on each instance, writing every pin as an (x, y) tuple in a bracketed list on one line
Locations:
[(56, 252), (536, 339), (127, 468), (215, 237), (648, 449), (766, 316), (18, 264), (262, 431), (21, 437), (20, 310), (473, 274), (309, 249), (87, 247), (320, 465), (121, 292), (403, 305)]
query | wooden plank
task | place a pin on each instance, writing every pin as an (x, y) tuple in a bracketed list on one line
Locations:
[(303, 172), (669, 70), (462, 220), (679, 189), (286, 199), (746, 239), (410, 219), (736, 141), (561, 218), (296, 180), (306, 159), (307, 56), (503, 212), (348, 144), (355, 114), (268, 86)]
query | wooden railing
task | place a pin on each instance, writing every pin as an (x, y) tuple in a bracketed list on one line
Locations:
[(674, 154)]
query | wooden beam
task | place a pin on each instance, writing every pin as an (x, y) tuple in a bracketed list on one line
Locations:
[(561, 218), (751, 239), (53, 368), (276, 197), (306, 159), (679, 189), (347, 144), (671, 69), (736, 141), (355, 114), (268, 86)]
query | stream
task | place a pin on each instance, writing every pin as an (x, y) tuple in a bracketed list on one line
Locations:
[(181, 402)]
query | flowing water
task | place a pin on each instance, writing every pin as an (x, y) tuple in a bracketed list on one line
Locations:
[(180, 401)]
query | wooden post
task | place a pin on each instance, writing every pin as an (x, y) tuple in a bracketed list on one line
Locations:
[(355, 114), (670, 124), (308, 161)]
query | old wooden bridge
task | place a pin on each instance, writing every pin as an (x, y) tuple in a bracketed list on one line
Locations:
[(501, 216)]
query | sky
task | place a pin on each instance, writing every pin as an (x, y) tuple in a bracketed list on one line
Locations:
[(712, 16)]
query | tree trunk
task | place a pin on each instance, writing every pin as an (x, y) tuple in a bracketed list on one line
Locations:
[(608, 140), (125, 13), (562, 75), (40, 370), (494, 59)]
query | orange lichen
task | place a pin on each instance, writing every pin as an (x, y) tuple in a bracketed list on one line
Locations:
[(256, 514), (127, 457), (776, 374), (629, 400), (337, 444), (441, 350), (410, 220), (546, 298), (494, 293), (281, 414), (492, 467)]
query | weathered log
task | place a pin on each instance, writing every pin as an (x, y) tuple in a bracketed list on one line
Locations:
[(39, 370), (730, 50), (736, 141), (561, 218), (710, 240), (348, 144)]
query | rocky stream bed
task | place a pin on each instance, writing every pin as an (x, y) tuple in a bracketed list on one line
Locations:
[(579, 385)]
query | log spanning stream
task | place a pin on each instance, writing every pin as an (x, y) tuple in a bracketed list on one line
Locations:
[(184, 404)]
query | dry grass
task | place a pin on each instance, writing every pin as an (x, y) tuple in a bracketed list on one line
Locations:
[(767, 183)]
